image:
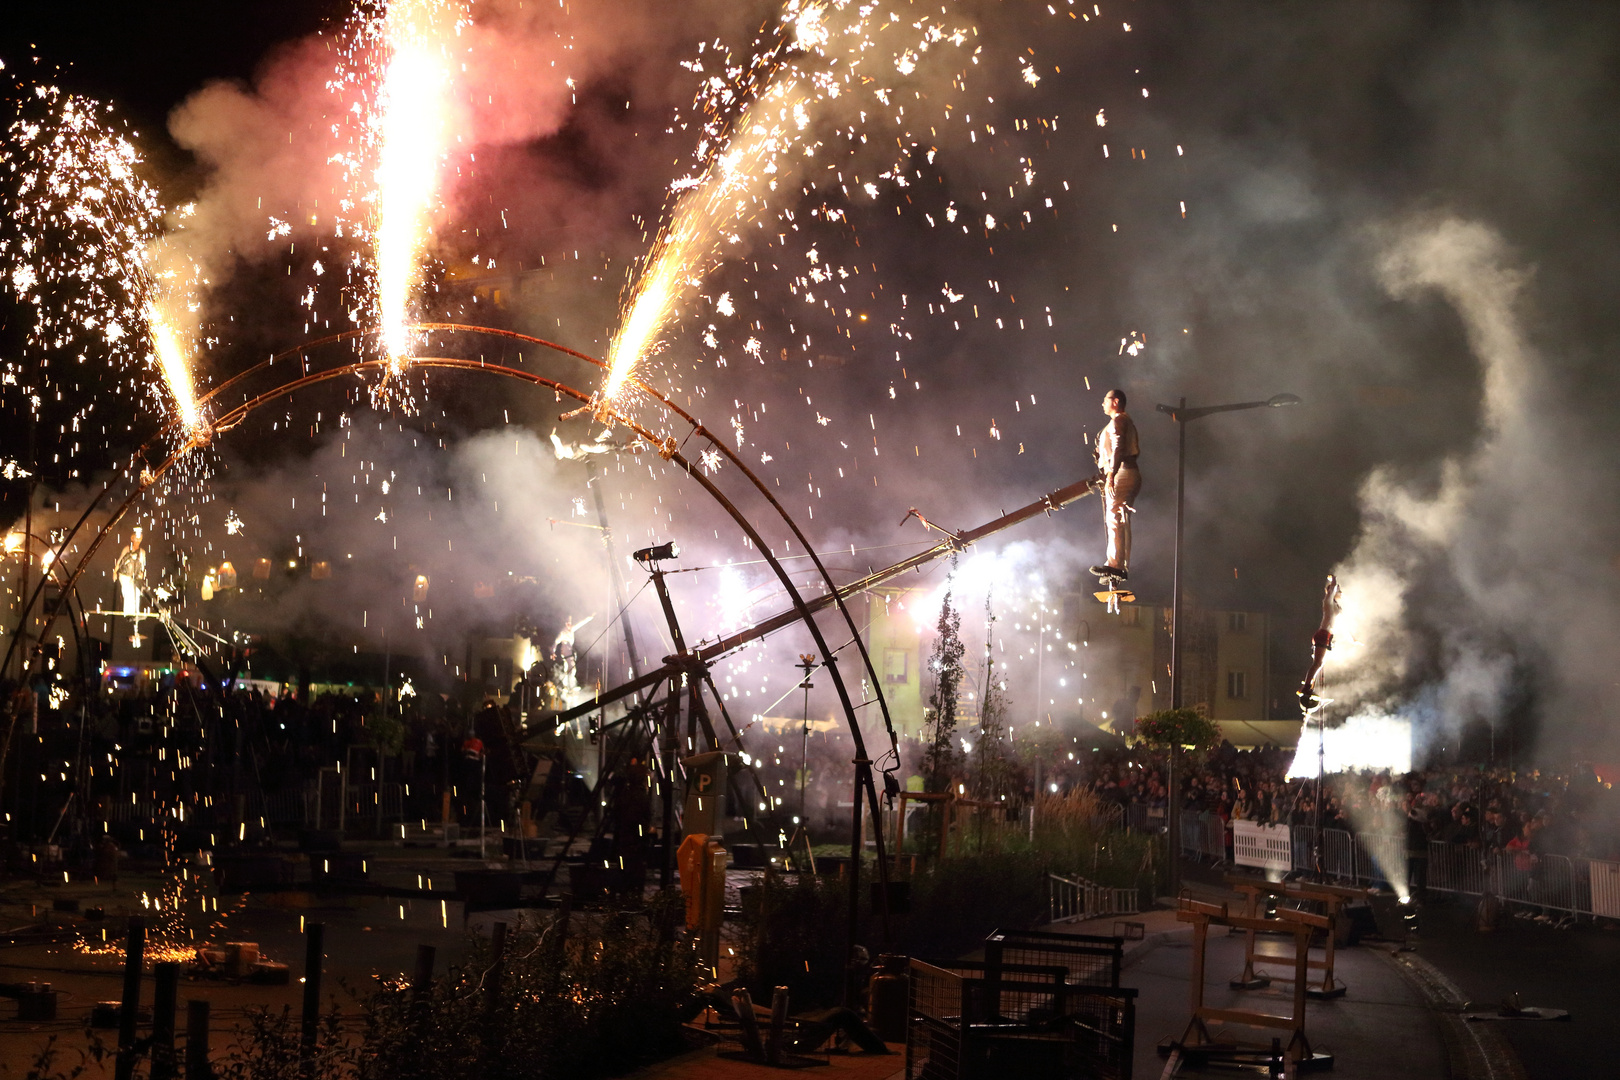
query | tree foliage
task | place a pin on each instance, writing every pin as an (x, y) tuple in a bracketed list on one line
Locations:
[(940, 756), (994, 770), (1178, 728)]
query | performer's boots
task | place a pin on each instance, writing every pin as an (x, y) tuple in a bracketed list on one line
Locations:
[(1307, 697), (1103, 570)]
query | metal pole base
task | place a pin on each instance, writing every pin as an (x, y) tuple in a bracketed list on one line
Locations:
[(1323, 994)]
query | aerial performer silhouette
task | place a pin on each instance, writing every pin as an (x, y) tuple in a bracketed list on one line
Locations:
[(1321, 642)]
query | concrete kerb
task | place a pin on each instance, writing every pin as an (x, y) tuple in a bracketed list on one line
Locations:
[(1474, 1051)]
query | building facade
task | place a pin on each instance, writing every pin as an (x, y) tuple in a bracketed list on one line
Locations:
[(1079, 663)]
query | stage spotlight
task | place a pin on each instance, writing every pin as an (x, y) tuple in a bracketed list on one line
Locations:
[(666, 550)]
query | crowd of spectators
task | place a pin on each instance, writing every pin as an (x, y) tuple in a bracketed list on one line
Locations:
[(1566, 811), (109, 761)]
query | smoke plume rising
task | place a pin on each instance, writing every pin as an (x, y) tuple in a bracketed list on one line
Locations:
[(1468, 589)]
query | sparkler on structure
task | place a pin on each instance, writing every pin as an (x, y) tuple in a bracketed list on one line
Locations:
[(815, 61), (80, 222), (81, 260), (413, 126), (175, 364), (690, 245)]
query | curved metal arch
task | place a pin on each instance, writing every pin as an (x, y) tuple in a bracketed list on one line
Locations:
[(666, 448), (669, 451), (234, 416), (698, 428), (373, 331)]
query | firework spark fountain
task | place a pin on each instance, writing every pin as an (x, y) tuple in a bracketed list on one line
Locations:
[(692, 242), (412, 127), (76, 239), (174, 362), (814, 60), (81, 258)]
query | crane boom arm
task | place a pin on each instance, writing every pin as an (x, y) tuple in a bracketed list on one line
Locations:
[(707, 654)]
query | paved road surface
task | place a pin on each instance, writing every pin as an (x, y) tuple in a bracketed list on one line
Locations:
[(1381, 1029), (1577, 969)]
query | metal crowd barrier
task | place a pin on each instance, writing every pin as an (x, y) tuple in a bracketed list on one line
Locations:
[(1075, 899), (1266, 847), (1203, 836), (1140, 817), (1562, 884), (1190, 836), (982, 1021), (1381, 857), (1457, 869), (1544, 882), (286, 808), (1338, 854)]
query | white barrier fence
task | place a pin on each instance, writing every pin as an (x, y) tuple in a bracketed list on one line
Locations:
[(1549, 883), (1605, 886), (1265, 847)]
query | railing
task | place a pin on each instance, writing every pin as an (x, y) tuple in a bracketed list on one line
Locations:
[(1076, 899), (1603, 884), (1549, 884), (1571, 886), (1381, 857), (1140, 817), (1203, 836), (966, 1018), (1338, 854), (287, 808), (1266, 847)]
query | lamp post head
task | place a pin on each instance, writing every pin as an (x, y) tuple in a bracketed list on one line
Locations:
[(1277, 401)]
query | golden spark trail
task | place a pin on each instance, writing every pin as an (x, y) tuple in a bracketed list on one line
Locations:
[(824, 51), (413, 128), (691, 243), (174, 364)]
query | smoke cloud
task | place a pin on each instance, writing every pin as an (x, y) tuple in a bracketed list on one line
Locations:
[(1465, 594)]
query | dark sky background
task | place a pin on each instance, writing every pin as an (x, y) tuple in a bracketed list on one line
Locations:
[(1306, 143)]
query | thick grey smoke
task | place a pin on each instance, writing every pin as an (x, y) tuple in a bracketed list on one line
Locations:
[(1470, 589)]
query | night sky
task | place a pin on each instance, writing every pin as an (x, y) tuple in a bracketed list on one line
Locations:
[(1403, 214)]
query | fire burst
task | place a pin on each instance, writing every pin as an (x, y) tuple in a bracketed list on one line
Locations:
[(691, 244), (817, 58), (80, 257), (412, 126), (173, 359)]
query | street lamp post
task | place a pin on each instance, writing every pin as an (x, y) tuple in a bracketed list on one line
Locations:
[(806, 664), (1182, 416)]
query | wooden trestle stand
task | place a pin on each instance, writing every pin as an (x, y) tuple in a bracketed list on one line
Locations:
[(1332, 898), (1198, 1046)]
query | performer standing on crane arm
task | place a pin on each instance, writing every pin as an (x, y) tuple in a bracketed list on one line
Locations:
[(1117, 447), (1321, 642)]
